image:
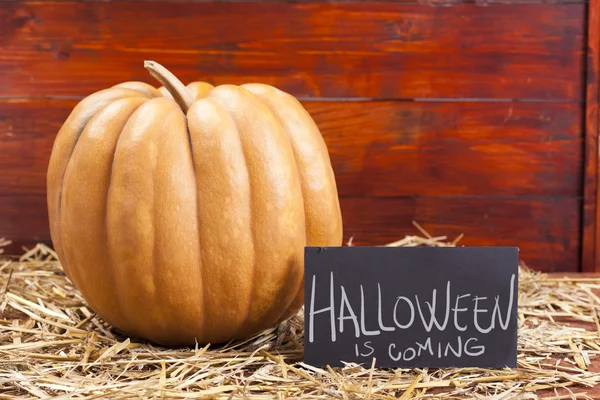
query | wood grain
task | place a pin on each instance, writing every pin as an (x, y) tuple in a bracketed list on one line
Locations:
[(24, 221), (429, 2), (591, 218), (377, 148), (504, 164), (375, 50), (542, 228), (453, 149)]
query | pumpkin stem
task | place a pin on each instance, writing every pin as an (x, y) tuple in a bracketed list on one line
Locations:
[(177, 89)]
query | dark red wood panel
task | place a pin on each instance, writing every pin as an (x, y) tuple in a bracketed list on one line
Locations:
[(431, 2), (372, 50), (27, 132), (453, 149), (24, 221), (501, 172), (591, 222), (377, 148), (544, 229)]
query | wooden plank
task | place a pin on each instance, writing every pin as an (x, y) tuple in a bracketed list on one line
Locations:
[(453, 149), (377, 148), (591, 223), (545, 229), (27, 132), (429, 2), (375, 50), (24, 221)]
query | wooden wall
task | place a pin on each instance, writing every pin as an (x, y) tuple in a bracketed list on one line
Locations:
[(466, 117)]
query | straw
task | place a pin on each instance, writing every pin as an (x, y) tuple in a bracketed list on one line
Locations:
[(53, 345)]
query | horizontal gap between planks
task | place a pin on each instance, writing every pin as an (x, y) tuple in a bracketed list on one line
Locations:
[(468, 197), (443, 3), (439, 100), (345, 99)]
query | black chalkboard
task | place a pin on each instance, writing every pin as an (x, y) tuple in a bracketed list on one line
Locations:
[(382, 299)]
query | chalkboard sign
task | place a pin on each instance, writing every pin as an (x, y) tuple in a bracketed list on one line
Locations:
[(411, 306)]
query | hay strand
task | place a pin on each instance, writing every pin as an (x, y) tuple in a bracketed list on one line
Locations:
[(53, 345)]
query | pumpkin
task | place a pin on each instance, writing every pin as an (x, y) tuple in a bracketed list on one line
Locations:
[(181, 213)]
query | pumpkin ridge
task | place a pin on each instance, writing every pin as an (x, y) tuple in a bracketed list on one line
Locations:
[(75, 276), (118, 300), (200, 256), (242, 325), (268, 154), (112, 164), (286, 308), (59, 196), (69, 170), (226, 238), (154, 241), (136, 235), (291, 115), (155, 273), (251, 190), (291, 306), (80, 107), (162, 317), (73, 114), (197, 218)]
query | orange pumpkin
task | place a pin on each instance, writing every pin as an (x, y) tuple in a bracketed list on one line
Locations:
[(181, 213)]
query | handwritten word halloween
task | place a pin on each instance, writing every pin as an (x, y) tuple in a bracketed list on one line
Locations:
[(444, 310)]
